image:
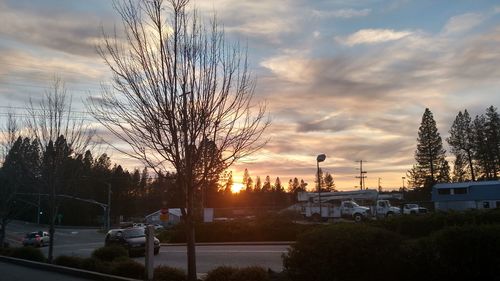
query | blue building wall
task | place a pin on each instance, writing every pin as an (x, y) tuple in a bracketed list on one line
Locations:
[(480, 195)]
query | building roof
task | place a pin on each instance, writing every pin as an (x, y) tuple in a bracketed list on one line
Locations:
[(465, 184)]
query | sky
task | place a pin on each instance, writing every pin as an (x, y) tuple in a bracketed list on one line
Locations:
[(347, 78)]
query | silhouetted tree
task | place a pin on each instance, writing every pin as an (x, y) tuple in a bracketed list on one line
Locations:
[(177, 86), (461, 141), (430, 155)]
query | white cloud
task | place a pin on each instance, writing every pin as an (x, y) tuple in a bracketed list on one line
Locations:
[(343, 13), (462, 23), (373, 36)]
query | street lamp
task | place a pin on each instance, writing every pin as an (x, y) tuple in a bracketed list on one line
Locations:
[(319, 158)]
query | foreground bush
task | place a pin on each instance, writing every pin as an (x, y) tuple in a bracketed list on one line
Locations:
[(221, 273), (252, 273), (343, 252), (93, 264), (27, 253), (167, 273), (228, 273), (109, 253), (423, 225), (128, 268), (69, 261), (461, 252)]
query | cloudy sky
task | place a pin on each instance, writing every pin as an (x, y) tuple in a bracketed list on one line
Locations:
[(348, 78)]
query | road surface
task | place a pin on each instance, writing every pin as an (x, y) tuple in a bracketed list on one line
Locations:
[(81, 242), (16, 272)]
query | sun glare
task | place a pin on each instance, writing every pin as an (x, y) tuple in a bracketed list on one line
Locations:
[(237, 187)]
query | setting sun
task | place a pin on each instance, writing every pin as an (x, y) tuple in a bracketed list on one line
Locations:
[(237, 187)]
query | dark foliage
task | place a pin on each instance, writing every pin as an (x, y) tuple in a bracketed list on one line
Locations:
[(109, 253), (27, 253), (128, 268), (167, 273), (69, 261), (343, 252)]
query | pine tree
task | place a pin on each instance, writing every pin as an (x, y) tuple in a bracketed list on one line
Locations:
[(461, 140), (277, 185), (492, 130), (267, 184), (460, 173), (258, 184), (430, 155), (481, 149), (328, 182)]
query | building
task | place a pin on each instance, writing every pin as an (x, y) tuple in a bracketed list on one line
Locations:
[(466, 195)]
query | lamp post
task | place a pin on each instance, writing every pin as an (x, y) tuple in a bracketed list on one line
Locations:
[(319, 158)]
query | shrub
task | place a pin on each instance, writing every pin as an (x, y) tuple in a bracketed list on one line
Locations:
[(221, 273), (252, 273), (343, 252), (167, 273), (28, 253), (69, 261), (93, 264), (109, 253), (128, 268)]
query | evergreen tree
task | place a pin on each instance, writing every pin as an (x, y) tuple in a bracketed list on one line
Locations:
[(461, 140), (229, 183), (460, 173), (430, 155), (267, 184), (277, 185), (247, 181), (303, 185), (258, 184), (329, 184), (481, 149), (492, 131)]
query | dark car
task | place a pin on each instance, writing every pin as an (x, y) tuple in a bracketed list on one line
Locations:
[(36, 239), (132, 239)]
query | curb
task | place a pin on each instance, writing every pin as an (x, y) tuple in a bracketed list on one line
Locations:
[(265, 243), (66, 270)]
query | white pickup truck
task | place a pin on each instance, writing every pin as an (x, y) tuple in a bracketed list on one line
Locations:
[(413, 209), (384, 209)]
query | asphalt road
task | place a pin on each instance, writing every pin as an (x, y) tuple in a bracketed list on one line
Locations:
[(13, 272), (81, 242)]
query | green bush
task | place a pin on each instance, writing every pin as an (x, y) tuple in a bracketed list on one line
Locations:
[(109, 253), (93, 264), (128, 268), (28, 253), (343, 252), (228, 273), (167, 273), (252, 273), (69, 261), (221, 273), (423, 225)]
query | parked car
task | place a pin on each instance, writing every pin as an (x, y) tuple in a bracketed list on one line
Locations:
[(36, 239), (133, 239), (413, 209)]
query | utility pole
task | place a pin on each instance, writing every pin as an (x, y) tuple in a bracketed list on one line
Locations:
[(361, 176), (379, 186)]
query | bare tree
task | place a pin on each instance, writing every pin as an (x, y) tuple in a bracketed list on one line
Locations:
[(61, 133), (181, 98)]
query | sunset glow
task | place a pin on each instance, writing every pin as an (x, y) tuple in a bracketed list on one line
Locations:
[(237, 187)]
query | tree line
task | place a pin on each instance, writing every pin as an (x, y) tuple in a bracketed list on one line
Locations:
[(474, 145)]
